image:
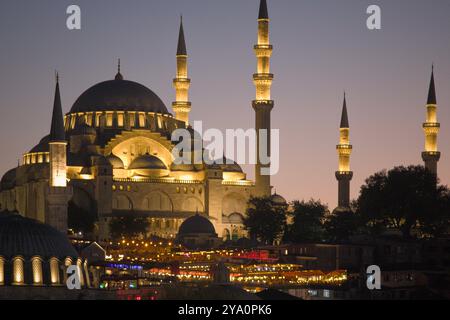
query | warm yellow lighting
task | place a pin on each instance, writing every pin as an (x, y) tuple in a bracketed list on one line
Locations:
[(18, 274), (36, 265), (54, 271)]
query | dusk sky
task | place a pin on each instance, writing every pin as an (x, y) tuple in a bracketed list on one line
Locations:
[(321, 48)]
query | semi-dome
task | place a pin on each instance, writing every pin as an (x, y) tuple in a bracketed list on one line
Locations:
[(25, 237), (119, 95), (196, 225), (115, 161), (230, 166), (147, 161)]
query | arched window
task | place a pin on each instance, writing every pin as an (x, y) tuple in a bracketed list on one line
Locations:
[(80, 272), (54, 271), (18, 274), (157, 201), (122, 202), (36, 266), (2, 271), (86, 273)]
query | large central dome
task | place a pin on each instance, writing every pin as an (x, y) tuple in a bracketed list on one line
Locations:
[(119, 95)]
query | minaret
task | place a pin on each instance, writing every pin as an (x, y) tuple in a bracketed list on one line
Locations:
[(431, 127), (263, 104), (182, 83), (344, 149), (58, 193)]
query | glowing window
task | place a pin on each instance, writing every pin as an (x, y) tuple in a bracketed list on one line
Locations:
[(109, 119), (36, 265), (54, 271), (132, 117), (120, 119), (18, 275), (141, 120), (2, 271)]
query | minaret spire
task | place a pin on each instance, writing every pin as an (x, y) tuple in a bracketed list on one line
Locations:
[(182, 105), (344, 117), (344, 149), (432, 90), (431, 128), (263, 104), (57, 127), (181, 49), (263, 12)]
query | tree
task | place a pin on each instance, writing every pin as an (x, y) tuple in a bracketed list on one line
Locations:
[(128, 226), (265, 221), (341, 225), (307, 223), (437, 223), (80, 219), (402, 198)]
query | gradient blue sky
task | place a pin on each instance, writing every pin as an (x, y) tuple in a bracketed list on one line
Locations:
[(321, 47)]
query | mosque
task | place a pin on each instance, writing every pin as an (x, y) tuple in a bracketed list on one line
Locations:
[(111, 154)]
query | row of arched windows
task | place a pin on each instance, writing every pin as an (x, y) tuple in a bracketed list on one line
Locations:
[(39, 272)]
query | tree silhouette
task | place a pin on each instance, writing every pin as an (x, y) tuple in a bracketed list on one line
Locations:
[(403, 198), (307, 223), (265, 221), (341, 225)]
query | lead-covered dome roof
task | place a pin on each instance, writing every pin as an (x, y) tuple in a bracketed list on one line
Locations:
[(119, 95), (25, 237), (196, 225)]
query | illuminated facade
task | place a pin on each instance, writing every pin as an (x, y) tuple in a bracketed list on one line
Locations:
[(431, 128), (344, 149), (111, 154)]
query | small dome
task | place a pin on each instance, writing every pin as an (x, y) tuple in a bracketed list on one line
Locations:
[(25, 237), (42, 146), (115, 161), (8, 180), (226, 166), (147, 162), (232, 167), (196, 225), (119, 95), (278, 200)]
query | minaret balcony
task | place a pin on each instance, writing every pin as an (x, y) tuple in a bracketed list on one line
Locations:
[(431, 128), (263, 77), (344, 147), (263, 51), (431, 155), (344, 175)]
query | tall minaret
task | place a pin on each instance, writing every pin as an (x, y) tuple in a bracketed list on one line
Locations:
[(431, 127), (182, 83), (263, 104), (344, 149), (58, 193)]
